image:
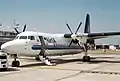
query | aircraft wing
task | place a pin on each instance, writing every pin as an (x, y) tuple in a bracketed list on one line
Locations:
[(102, 35)]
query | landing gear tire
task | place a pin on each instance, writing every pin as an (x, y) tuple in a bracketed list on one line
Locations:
[(15, 64), (37, 58), (86, 58)]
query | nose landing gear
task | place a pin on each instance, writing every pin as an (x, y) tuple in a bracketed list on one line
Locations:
[(15, 63)]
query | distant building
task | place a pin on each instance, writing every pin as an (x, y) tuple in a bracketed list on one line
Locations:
[(6, 36), (7, 33), (112, 47), (106, 46)]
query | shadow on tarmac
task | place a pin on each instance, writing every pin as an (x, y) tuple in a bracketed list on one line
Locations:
[(102, 61), (32, 65), (94, 60), (9, 69), (57, 61)]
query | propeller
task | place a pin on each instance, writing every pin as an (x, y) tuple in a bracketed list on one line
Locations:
[(78, 27), (24, 29), (73, 35), (69, 28), (16, 30)]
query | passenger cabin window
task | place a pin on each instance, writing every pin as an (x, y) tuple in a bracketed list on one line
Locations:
[(31, 37), (23, 37)]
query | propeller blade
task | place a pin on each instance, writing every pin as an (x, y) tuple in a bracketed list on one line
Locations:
[(16, 30), (70, 43), (24, 28), (69, 28), (78, 27)]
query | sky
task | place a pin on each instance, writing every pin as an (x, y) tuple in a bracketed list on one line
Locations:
[(52, 15)]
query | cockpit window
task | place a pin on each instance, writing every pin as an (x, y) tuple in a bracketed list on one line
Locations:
[(31, 37), (23, 37), (16, 37)]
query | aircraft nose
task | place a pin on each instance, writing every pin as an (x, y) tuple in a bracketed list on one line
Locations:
[(5, 47), (10, 47)]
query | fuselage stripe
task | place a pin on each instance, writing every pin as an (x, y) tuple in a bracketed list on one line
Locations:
[(51, 47)]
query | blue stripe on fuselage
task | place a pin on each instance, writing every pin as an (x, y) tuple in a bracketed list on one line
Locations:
[(57, 47)]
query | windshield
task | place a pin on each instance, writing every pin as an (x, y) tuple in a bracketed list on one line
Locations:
[(16, 37), (23, 37), (31, 37)]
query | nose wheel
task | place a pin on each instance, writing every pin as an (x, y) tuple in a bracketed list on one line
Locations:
[(15, 63)]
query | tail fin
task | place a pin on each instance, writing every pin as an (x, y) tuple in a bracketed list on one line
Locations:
[(87, 24)]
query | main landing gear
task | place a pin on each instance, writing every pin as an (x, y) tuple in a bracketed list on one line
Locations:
[(37, 58), (86, 58), (15, 63)]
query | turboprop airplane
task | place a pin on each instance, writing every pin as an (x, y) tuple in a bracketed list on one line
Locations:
[(36, 44)]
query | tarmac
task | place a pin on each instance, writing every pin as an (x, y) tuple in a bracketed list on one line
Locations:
[(103, 67)]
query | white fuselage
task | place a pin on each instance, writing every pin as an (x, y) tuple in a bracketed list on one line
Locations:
[(28, 44)]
